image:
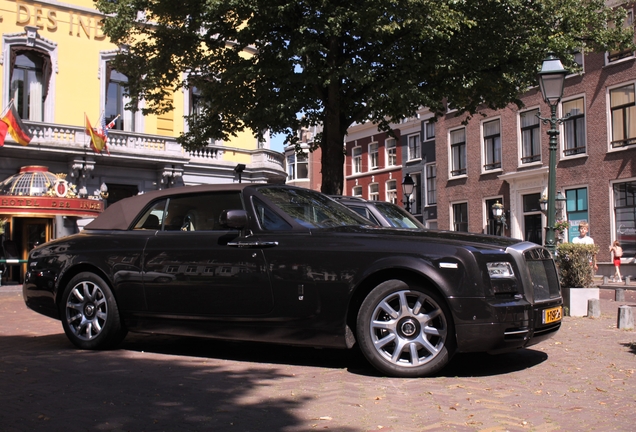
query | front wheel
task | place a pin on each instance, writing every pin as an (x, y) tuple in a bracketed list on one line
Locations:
[(90, 316), (405, 331)]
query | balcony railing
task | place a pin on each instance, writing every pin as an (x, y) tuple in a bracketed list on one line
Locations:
[(75, 139)]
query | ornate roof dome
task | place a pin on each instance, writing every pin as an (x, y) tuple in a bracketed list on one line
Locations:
[(30, 181)]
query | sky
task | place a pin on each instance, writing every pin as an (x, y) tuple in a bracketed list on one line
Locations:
[(276, 142)]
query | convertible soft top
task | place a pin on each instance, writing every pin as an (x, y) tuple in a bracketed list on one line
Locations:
[(120, 215)]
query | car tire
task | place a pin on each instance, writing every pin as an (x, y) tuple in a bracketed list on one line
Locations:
[(89, 313), (405, 330)]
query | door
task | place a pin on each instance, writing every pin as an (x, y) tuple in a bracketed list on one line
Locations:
[(190, 266)]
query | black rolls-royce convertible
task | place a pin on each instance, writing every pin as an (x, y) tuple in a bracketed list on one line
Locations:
[(274, 263)]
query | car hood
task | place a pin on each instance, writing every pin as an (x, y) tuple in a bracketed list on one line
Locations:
[(463, 238)]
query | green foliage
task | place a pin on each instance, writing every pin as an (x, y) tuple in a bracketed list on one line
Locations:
[(573, 262), (340, 63)]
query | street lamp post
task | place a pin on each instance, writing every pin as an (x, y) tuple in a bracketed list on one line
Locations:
[(551, 81), (407, 189)]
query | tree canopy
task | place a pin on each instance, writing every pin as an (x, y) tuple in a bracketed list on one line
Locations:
[(279, 65)]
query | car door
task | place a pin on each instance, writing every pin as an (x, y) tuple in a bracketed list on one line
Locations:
[(191, 267)]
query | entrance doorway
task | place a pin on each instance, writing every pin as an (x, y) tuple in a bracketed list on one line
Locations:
[(532, 226), (25, 234)]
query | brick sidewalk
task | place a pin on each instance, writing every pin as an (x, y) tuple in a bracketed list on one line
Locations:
[(582, 379)]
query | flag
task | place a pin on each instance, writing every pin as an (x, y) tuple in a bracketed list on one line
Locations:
[(3, 132), (98, 140), (15, 126)]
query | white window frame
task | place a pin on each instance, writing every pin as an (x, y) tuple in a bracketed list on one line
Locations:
[(564, 126), (139, 119), (390, 150), (356, 160), (391, 191), (418, 153), (425, 131), (484, 147), (356, 191), (22, 39), (610, 126), (623, 55), (374, 192), (374, 156), (427, 194), (451, 156), (520, 135)]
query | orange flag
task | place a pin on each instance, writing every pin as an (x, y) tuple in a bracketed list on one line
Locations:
[(98, 141)]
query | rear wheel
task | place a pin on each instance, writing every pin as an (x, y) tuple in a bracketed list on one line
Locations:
[(405, 331), (90, 316)]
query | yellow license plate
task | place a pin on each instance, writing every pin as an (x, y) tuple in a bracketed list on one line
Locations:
[(552, 315)]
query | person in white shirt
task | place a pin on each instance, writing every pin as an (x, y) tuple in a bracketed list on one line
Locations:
[(583, 238)]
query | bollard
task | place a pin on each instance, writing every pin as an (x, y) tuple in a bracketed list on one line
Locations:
[(594, 308), (627, 280), (605, 280), (625, 318), (620, 295)]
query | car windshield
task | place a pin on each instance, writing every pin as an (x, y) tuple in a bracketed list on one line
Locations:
[(312, 209), (397, 217)]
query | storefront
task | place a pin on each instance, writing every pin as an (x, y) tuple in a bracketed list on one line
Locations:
[(37, 206)]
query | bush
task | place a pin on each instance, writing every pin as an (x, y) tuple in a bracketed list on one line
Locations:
[(573, 264)]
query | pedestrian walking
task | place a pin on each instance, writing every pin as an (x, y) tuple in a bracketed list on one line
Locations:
[(617, 251)]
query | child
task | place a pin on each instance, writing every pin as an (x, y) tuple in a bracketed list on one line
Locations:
[(617, 250)]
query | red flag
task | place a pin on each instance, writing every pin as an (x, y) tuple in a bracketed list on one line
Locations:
[(3, 132), (15, 126), (98, 141)]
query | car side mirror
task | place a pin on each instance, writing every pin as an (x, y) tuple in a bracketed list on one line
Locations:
[(233, 218)]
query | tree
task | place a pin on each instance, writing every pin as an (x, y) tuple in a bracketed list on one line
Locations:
[(279, 65)]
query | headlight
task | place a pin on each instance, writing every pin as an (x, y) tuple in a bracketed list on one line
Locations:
[(497, 270), (502, 278)]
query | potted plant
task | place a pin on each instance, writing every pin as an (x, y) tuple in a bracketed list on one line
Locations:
[(576, 275)]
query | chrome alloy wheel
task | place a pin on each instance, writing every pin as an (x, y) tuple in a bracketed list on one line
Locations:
[(86, 310), (408, 328)]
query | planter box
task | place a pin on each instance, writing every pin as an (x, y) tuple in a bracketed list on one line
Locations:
[(575, 300)]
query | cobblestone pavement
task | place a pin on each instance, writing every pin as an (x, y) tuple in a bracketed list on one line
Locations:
[(582, 379)]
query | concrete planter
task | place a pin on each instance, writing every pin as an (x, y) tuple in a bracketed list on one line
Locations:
[(575, 300)]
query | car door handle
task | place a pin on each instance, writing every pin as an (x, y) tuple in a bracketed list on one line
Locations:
[(252, 244)]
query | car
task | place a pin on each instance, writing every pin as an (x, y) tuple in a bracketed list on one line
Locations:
[(287, 265), (381, 213)]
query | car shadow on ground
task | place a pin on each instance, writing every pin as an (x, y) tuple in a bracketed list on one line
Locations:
[(462, 365)]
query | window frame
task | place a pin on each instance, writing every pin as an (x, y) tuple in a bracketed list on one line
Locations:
[(454, 222), (374, 156), (489, 147), (414, 151), (374, 191), (535, 131), (390, 151), (390, 191), (458, 162), (576, 150), (356, 160), (625, 142), (614, 57), (431, 190)]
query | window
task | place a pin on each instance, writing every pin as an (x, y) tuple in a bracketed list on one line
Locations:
[(574, 127), (116, 101), (30, 75), (357, 191), (391, 191), (373, 156), (431, 184), (374, 192), (623, 116), (356, 156), (530, 143), (391, 152), (414, 146), (576, 207), (613, 56), (625, 216), (492, 145), (458, 152), (196, 102), (297, 167), (460, 217), (198, 212), (430, 130)]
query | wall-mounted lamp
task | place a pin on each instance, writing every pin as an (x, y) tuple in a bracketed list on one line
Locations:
[(499, 213), (408, 185)]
